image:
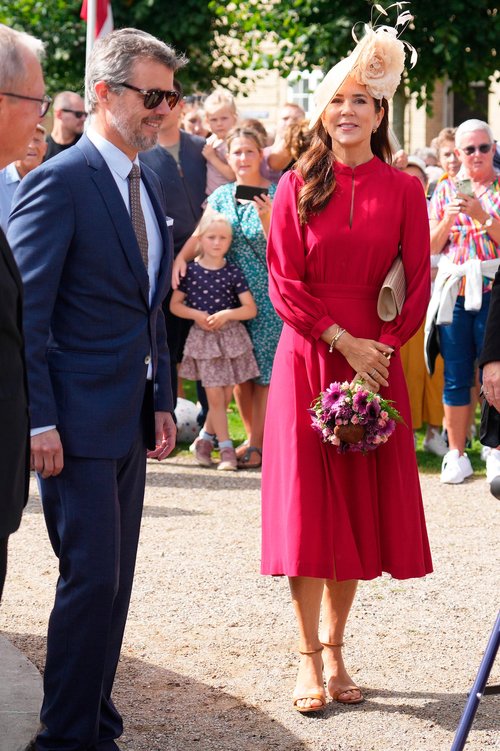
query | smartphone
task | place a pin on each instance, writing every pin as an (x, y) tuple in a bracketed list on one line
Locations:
[(465, 187), (247, 192)]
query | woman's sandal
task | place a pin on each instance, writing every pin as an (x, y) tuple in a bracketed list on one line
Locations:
[(348, 689), (315, 693), (244, 461), (241, 449)]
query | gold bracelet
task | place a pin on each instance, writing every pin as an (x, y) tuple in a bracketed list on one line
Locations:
[(335, 339)]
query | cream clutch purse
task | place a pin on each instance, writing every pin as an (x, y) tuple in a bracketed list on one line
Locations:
[(392, 293)]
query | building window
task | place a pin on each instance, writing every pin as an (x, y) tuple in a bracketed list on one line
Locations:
[(301, 87)]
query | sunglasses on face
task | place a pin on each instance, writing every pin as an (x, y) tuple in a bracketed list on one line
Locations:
[(154, 97), (484, 148), (76, 113)]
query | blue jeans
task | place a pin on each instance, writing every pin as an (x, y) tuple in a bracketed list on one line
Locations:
[(461, 342)]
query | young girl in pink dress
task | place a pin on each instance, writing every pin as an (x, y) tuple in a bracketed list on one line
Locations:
[(339, 220), (218, 351)]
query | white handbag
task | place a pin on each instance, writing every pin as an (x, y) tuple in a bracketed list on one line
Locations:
[(392, 293)]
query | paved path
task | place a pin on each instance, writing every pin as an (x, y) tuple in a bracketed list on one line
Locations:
[(209, 658)]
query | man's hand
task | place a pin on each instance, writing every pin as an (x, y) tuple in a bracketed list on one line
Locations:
[(47, 453), (166, 432), (491, 384)]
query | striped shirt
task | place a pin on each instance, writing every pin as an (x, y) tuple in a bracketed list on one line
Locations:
[(467, 238)]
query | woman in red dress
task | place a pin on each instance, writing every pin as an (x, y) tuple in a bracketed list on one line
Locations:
[(338, 222)]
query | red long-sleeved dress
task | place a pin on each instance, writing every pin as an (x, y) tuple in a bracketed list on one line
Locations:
[(349, 516)]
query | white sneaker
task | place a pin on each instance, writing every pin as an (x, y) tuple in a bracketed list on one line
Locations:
[(492, 465), (455, 468), (435, 444), (485, 452)]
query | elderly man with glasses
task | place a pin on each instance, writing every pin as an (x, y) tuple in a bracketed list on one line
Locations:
[(22, 104), (90, 235), (69, 121), (465, 230)]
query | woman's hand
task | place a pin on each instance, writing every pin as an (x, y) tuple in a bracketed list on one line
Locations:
[(179, 269), (452, 210), (368, 358), (472, 207), (217, 320), (264, 204)]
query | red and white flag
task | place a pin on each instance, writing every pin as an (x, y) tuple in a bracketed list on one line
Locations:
[(104, 16)]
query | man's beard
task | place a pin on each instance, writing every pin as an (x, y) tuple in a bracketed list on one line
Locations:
[(135, 139)]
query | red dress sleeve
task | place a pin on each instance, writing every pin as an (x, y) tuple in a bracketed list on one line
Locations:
[(286, 257), (415, 252)]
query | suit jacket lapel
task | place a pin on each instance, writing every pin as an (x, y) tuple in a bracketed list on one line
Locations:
[(166, 259), (118, 213)]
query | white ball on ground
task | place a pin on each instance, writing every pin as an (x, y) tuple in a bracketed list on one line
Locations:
[(186, 413)]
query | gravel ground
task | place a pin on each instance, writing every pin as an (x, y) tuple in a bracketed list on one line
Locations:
[(209, 655)]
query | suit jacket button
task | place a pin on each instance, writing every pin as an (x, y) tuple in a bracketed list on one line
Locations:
[(147, 359)]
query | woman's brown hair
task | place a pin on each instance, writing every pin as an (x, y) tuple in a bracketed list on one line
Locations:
[(240, 132), (316, 164)]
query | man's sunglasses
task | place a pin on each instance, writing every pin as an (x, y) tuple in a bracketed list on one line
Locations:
[(154, 97), (484, 148), (76, 113), (44, 103)]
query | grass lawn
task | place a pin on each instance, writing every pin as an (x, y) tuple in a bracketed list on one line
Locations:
[(428, 463)]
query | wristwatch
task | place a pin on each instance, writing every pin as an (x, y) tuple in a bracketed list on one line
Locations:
[(487, 224)]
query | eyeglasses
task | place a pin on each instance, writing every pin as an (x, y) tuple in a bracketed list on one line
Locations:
[(45, 102), (76, 113), (154, 97), (484, 148)]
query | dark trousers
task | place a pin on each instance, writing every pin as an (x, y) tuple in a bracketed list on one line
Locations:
[(3, 562), (93, 514)]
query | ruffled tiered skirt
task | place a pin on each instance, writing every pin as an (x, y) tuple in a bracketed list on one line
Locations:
[(219, 358)]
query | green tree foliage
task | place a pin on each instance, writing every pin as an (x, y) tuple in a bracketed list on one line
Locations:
[(57, 23), (455, 39), (187, 25)]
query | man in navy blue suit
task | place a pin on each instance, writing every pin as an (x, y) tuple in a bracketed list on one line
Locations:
[(91, 241)]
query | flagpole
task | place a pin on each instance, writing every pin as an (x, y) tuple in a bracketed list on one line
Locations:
[(91, 25)]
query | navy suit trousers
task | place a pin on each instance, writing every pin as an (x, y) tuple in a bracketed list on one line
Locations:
[(93, 514)]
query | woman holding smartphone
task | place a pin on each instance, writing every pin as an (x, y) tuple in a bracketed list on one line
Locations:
[(465, 226), (246, 204)]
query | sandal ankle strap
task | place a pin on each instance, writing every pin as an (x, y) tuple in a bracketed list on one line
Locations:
[(329, 644), (312, 652)]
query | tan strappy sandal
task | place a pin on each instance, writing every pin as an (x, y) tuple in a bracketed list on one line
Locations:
[(338, 693), (315, 693)]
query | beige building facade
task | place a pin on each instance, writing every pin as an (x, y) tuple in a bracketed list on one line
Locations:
[(270, 92)]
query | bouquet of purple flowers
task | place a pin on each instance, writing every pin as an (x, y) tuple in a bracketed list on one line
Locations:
[(353, 418)]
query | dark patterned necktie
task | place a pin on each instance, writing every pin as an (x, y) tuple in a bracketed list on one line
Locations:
[(138, 223)]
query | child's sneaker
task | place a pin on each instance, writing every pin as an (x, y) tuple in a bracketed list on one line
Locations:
[(228, 461), (203, 452)]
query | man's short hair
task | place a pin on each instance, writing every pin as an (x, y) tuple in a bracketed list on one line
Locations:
[(113, 57), (62, 99), (12, 63)]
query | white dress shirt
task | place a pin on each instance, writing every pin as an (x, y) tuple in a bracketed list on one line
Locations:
[(9, 180)]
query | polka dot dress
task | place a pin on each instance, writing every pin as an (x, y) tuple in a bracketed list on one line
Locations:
[(248, 251)]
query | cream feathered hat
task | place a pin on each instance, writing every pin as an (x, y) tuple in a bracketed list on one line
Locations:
[(377, 62)]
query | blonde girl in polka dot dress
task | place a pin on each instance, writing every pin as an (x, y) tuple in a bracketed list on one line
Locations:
[(218, 351)]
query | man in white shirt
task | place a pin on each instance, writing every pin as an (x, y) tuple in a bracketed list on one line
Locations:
[(90, 237)]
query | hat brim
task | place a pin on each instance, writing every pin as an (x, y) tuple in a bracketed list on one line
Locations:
[(331, 83)]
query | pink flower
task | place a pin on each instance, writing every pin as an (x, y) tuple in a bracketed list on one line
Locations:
[(381, 62)]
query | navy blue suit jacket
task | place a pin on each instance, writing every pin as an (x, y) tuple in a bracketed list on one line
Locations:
[(89, 327)]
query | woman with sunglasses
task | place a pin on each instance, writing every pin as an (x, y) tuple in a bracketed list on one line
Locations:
[(465, 226)]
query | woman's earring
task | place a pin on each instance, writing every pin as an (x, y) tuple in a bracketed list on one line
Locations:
[(374, 130)]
